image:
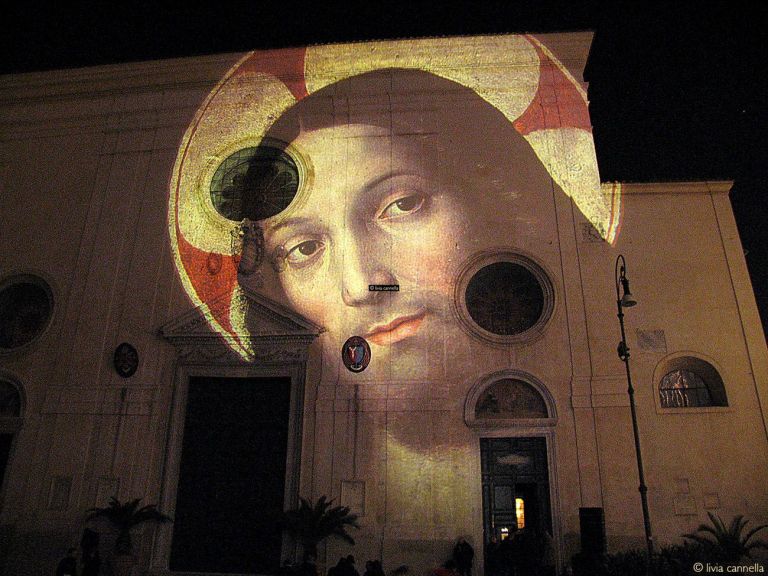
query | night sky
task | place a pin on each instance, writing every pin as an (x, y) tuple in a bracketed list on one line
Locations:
[(678, 89)]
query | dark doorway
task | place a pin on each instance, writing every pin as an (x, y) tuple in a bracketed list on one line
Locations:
[(515, 486), (232, 476), (5, 452)]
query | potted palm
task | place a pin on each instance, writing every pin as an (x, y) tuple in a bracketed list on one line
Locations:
[(728, 544), (310, 524), (124, 517)]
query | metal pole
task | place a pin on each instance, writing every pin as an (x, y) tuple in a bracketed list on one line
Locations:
[(623, 351)]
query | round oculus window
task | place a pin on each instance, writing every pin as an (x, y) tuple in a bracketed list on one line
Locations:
[(25, 311), (504, 298), (254, 183)]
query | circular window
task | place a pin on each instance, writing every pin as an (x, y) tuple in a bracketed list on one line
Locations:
[(254, 183), (504, 298), (25, 311)]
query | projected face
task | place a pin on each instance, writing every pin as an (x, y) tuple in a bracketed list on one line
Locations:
[(413, 159), (386, 217), (405, 198)]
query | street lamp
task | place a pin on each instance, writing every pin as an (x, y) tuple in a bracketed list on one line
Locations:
[(624, 299)]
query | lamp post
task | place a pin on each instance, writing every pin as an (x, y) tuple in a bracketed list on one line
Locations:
[(624, 299)]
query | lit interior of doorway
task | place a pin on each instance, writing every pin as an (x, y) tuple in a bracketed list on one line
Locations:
[(520, 513)]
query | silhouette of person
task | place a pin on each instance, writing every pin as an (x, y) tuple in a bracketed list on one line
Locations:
[(90, 559), (463, 554), (67, 565), (344, 567), (492, 567), (373, 568)]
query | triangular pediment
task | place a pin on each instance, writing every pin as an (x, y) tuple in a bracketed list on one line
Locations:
[(269, 318), (264, 318)]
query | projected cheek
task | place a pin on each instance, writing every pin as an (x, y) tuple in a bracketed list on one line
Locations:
[(307, 275), (313, 279), (423, 248)]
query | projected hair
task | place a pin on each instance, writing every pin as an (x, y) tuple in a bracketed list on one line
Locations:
[(452, 123)]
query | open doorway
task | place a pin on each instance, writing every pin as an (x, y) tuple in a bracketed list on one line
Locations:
[(231, 489), (516, 501)]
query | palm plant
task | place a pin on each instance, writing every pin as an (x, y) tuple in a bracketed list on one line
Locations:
[(311, 524), (124, 516), (727, 544)]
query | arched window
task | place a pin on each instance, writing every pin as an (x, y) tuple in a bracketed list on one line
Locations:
[(690, 382), (509, 398)]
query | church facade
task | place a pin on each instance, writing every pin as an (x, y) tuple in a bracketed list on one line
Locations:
[(385, 273)]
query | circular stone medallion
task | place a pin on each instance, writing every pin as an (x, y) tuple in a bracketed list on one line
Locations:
[(356, 354), (126, 360)]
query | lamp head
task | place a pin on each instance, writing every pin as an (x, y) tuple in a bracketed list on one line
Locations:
[(627, 300)]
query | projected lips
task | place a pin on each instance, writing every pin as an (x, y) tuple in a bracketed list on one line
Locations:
[(225, 173)]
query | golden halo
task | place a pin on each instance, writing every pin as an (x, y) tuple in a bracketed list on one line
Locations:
[(504, 70)]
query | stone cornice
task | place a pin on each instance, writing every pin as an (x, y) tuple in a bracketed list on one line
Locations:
[(689, 187), (160, 93), (571, 48), (112, 79), (266, 351)]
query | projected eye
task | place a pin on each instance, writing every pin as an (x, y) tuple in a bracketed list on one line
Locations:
[(304, 253), (403, 206)]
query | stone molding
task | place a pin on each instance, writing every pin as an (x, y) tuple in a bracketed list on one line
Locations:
[(98, 401), (473, 396), (110, 79), (212, 350), (280, 341), (279, 335), (690, 187)]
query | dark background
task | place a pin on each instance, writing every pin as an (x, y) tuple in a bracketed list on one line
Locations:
[(677, 89)]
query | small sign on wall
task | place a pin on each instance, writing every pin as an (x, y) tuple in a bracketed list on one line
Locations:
[(384, 287), (58, 497), (126, 360), (353, 496), (652, 341)]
